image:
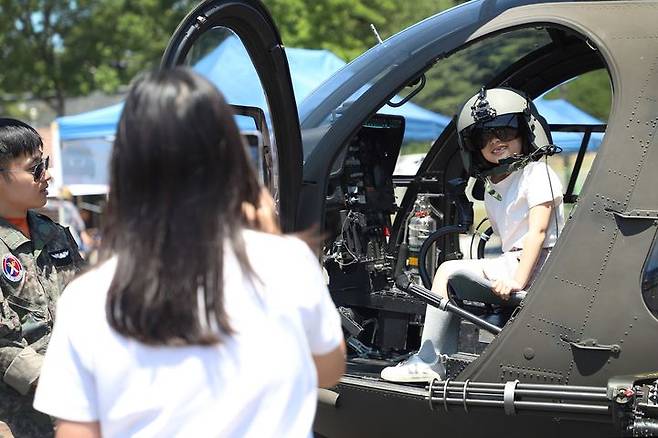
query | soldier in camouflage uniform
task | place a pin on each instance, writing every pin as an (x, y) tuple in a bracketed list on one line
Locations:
[(37, 259)]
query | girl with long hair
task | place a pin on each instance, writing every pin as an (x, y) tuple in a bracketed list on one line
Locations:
[(197, 322)]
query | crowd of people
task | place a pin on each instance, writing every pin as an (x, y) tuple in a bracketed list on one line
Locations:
[(187, 319)]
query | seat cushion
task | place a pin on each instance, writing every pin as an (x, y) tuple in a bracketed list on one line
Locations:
[(470, 287)]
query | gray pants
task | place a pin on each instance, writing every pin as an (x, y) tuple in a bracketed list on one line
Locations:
[(471, 280)]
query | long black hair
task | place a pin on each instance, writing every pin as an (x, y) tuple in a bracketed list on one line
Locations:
[(179, 174)]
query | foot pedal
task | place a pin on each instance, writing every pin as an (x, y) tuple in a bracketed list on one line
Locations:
[(348, 322), (473, 339)]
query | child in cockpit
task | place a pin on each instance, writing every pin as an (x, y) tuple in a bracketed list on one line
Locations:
[(523, 203)]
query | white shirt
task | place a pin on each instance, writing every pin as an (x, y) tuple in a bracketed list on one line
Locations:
[(520, 191), (261, 382)]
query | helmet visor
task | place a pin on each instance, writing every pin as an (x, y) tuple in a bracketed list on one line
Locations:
[(504, 128)]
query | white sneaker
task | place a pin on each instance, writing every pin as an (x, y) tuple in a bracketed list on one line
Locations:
[(423, 366)]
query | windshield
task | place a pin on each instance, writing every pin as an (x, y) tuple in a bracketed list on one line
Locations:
[(332, 98), (452, 80), (417, 47)]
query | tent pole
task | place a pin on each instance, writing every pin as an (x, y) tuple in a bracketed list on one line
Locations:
[(56, 169)]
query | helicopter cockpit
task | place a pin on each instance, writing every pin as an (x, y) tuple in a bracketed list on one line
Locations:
[(576, 354), (381, 224)]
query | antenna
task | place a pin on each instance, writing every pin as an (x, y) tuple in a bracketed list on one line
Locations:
[(374, 30)]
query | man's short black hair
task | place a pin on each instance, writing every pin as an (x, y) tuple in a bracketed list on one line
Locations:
[(17, 139)]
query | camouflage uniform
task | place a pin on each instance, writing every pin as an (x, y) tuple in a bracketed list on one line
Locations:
[(33, 274)]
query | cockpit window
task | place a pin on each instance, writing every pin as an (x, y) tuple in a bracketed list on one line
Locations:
[(650, 278), (449, 82), (572, 124), (452, 80), (241, 86)]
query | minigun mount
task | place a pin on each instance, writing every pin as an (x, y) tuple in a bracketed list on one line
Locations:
[(629, 402), (634, 401)]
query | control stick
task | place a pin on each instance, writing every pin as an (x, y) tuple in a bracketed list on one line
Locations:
[(403, 282)]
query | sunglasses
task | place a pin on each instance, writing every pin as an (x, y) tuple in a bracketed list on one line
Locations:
[(39, 169), (36, 170), (479, 138)]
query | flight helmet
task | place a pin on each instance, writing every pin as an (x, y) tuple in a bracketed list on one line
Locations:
[(495, 111)]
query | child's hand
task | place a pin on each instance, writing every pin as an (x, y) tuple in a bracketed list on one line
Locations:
[(505, 286)]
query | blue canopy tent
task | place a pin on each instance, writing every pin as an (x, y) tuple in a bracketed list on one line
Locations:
[(421, 123), (559, 111), (85, 139), (226, 66), (98, 123)]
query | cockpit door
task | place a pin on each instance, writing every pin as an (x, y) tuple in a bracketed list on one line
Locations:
[(236, 45)]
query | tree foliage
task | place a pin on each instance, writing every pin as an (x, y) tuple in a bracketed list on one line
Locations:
[(53, 49), (343, 26), (454, 79)]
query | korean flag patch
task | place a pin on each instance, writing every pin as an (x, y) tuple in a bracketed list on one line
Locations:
[(12, 268)]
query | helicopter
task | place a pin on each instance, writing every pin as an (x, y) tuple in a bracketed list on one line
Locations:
[(576, 355)]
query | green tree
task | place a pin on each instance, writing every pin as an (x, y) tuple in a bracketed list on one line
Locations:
[(410, 12), (454, 79), (53, 49), (343, 26)]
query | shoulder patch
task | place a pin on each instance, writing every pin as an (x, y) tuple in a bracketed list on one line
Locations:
[(12, 268), (61, 254)]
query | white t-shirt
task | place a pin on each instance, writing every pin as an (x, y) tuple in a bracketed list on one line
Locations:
[(520, 191), (261, 382)]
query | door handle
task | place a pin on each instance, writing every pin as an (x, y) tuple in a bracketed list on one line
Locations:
[(592, 345), (634, 214)]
